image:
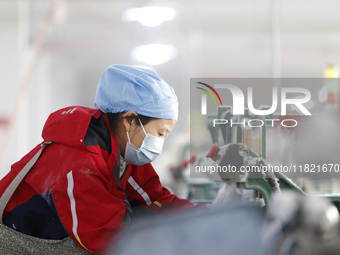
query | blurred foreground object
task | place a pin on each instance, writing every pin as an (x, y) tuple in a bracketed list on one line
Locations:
[(229, 230), (294, 225), (301, 225)]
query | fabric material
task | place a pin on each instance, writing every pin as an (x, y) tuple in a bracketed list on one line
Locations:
[(78, 176), (123, 88), (13, 243)]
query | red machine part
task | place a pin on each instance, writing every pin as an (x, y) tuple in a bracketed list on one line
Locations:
[(213, 152)]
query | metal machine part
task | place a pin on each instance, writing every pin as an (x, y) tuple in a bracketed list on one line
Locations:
[(231, 160)]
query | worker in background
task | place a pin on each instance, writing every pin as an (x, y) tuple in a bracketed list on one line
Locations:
[(97, 167)]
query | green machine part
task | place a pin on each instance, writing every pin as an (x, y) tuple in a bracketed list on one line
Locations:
[(255, 181)]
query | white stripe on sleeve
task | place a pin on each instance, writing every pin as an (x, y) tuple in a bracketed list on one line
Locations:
[(134, 184), (70, 185)]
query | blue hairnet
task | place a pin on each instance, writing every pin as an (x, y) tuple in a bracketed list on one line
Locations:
[(123, 88)]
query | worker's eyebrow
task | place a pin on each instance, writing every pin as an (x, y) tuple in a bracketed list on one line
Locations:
[(166, 130)]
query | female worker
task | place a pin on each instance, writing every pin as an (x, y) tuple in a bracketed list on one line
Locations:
[(97, 165)]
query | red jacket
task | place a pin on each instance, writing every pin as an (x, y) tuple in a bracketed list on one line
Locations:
[(75, 184)]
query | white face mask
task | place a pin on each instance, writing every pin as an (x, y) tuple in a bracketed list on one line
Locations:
[(148, 151)]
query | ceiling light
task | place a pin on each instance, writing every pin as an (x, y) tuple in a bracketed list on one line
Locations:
[(331, 71), (150, 16)]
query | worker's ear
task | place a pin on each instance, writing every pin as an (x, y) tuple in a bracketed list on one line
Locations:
[(127, 122)]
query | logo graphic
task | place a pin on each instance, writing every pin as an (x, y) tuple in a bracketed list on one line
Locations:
[(204, 97), (289, 100), (239, 99)]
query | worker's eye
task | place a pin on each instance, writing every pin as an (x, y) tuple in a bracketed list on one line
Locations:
[(161, 135)]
